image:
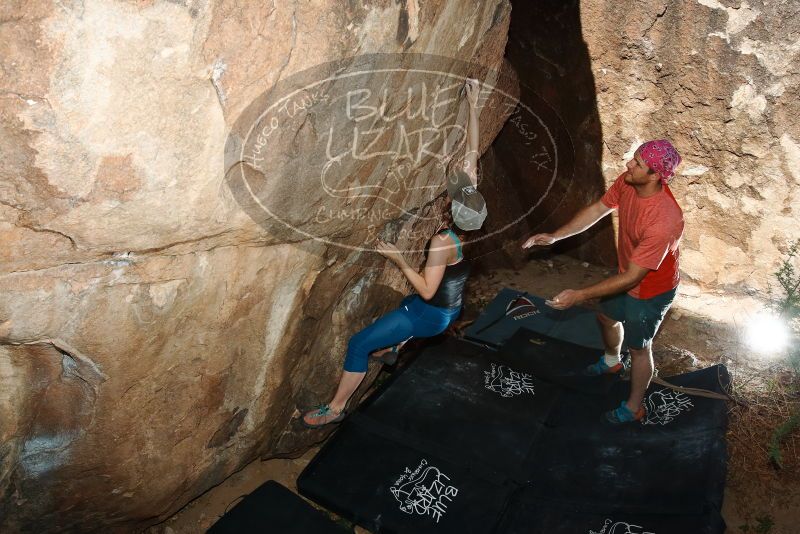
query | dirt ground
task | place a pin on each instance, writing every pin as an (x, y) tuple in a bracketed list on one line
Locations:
[(759, 499)]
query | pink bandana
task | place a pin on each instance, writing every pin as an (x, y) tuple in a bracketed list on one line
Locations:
[(660, 156)]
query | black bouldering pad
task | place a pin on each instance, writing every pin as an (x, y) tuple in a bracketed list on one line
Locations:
[(272, 508), (672, 462), (469, 405), (471, 439), (526, 515), (512, 309), (557, 361), (668, 411), (386, 486), (667, 476)]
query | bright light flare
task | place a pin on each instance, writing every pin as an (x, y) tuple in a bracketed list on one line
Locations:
[(767, 333)]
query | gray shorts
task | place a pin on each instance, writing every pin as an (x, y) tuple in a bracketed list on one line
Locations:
[(641, 317)]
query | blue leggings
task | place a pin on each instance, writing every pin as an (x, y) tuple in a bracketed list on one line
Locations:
[(414, 318)]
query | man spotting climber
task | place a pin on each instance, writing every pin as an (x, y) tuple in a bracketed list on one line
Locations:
[(650, 230)]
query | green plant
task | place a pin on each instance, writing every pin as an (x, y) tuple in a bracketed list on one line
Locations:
[(787, 305), (780, 434), (763, 525)]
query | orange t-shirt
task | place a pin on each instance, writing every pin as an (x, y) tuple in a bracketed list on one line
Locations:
[(650, 231)]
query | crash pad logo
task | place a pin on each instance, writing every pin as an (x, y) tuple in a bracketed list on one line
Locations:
[(664, 406), (620, 527), (507, 382), (424, 491), (356, 150), (521, 308)]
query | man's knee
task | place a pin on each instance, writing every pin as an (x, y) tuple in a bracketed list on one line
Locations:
[(605, 320), (644, 352)]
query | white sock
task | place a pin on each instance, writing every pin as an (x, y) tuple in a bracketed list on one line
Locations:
[(611, 359)]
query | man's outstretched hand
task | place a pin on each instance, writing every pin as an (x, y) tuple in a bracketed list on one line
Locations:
[(539, 240), (565, 299)]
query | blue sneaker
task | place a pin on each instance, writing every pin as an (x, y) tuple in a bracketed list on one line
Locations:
[(623, 414), (600, 367)]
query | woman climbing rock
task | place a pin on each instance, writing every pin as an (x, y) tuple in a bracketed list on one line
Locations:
[(439, 286)]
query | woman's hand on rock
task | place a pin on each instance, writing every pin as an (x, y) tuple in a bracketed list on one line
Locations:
[(389, 251), (473, 90)]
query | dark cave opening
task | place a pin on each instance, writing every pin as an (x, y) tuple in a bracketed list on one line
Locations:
[(545, 164)]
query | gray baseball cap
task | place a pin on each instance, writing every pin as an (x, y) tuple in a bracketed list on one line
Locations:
[(468, 205)]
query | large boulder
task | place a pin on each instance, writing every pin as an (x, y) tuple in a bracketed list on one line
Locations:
[(157, 332), (721, 80)]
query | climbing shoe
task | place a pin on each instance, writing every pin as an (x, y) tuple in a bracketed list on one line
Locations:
[(388, 357), (623, 414), (321, 416), (600, 367)]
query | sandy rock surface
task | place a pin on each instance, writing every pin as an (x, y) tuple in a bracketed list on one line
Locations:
[(721, 80), (717, 78), (154, 337)]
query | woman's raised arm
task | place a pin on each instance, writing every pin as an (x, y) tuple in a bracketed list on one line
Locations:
[(473, 131)]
